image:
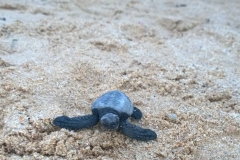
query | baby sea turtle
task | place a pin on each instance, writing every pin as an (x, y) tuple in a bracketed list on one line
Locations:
[(112, 109)]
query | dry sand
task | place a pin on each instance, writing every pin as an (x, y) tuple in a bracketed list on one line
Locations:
[(169, 57)]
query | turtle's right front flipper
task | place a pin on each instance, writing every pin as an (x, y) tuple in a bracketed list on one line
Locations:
[(76, 123), (136, 132)]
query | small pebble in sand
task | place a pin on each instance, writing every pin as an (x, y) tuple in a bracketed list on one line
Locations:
[(171, 117)]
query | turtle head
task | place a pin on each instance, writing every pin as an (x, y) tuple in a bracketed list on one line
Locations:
[(110, 121)]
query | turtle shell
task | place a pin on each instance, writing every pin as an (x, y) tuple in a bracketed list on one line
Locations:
[(116, 100)]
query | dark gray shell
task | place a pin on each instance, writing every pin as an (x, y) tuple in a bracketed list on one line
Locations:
[(116, 100)]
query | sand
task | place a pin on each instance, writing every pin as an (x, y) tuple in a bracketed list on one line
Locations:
[(178, 61)]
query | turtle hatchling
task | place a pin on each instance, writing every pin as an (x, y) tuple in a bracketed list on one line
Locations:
[(112, 109)]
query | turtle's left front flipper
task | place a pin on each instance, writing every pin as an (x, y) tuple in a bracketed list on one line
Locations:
[(136, 132), (76, 123)]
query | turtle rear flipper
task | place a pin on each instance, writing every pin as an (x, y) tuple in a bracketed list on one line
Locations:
[(136, 132), (76, 123), (137, 114)]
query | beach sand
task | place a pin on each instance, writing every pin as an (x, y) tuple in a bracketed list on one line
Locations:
[(178, 58)]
